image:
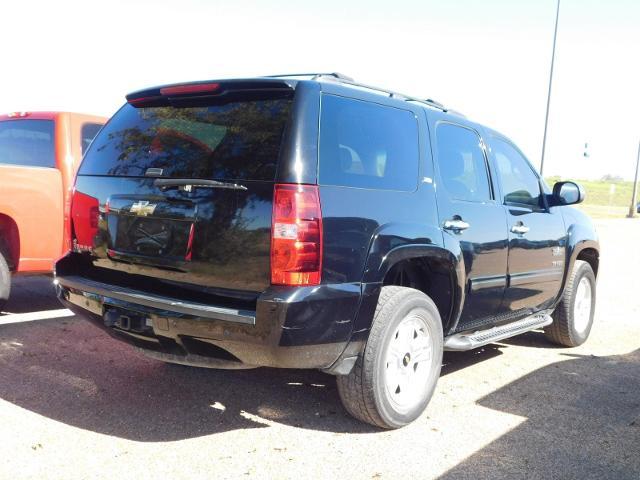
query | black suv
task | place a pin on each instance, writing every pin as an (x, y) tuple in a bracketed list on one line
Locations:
[(307, 221)]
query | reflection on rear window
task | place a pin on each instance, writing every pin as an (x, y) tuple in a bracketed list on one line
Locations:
[(237, 140), (27, 142)]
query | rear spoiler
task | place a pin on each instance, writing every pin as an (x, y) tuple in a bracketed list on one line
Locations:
[(207, 90)]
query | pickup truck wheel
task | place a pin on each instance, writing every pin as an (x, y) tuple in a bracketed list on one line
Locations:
[(5, 281), (573, 317), (395, 376)]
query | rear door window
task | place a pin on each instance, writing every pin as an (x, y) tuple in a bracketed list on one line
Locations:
[(462, 163), (367, 145), (29, 143), (235, 140), (87, 133)]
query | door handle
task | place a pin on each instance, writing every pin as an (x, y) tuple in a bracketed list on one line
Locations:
[(456, 225), (520, 228)]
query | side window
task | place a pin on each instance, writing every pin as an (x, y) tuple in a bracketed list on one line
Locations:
[(87, 134), (520, 186), (462, 163), (27, 142), (367, 145)]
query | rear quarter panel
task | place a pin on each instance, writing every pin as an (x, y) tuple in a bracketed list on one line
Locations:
[(32, 197), (362, 225)]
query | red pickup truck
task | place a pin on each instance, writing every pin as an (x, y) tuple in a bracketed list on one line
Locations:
[(39, 155)]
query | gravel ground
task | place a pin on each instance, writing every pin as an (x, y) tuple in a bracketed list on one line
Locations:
[(76, 404)]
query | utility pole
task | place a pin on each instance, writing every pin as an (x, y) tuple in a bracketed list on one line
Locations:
[(633, 207), (546, 118)]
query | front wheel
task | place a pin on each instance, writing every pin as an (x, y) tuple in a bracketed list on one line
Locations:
[(573, 317), (395, 376)]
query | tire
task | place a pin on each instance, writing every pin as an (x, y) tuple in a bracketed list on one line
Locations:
[(406, 323), (573, 317), (5, 281)]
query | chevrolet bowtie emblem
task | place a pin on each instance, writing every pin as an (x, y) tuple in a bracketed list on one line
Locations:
[(143, 208)]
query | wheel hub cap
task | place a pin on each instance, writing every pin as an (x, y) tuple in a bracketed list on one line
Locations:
[(408, 362), (582, 305)]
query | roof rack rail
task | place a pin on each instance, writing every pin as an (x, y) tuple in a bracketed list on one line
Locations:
[(339, 77), (314, 75), (393, 94), (433, 102)]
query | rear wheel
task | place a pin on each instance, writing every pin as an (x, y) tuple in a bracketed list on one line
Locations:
[(5, 281), (395, 376), (573, 317)]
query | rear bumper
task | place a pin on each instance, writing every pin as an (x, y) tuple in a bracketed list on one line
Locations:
[(303, 327)]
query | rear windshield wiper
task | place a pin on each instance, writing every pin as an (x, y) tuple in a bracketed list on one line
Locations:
[(187, 184)]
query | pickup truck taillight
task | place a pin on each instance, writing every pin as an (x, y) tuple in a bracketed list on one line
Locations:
[(296, 235), (84, 220)]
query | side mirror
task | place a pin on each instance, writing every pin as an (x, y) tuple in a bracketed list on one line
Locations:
[(566, 193)]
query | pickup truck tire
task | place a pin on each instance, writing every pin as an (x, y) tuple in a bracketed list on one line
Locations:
[(393, 379), (5, 280), (573, 317)]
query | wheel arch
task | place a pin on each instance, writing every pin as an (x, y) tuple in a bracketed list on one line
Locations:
[(10, 240), (582, 244), (591, 255), (432, 269)]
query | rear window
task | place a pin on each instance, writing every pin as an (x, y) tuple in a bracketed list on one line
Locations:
[(87, 133), (367, 145), (237, 140), (28, 143)]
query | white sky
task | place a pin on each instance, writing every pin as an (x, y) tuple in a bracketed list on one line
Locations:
[(489, 59)]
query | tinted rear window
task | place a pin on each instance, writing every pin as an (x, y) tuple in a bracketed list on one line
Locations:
[(27, 142), (367, 145), (237, 140)]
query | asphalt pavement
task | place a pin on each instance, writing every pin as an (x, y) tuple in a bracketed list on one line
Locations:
[(74, 403)]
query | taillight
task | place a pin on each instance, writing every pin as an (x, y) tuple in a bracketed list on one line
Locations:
[(84, 219), (296, 235), (190, 89)]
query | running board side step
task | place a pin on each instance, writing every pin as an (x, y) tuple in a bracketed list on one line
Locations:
[(468, 341)]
